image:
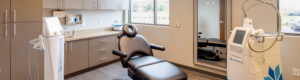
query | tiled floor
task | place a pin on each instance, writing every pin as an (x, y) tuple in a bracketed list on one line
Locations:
[(116, 72)]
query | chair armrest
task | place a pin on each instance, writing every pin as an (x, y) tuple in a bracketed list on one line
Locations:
[(119, 53), (157, 47)]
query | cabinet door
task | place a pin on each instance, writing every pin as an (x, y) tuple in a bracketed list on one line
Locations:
[(5, 52), (25, 59), (78, 55), (26, 10), (122, 4), (113, 4), (90, 4), (66, 65), (52, 4), (4, 10), (73, 4), (106, 4)]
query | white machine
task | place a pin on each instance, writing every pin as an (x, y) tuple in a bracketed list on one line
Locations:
[(252, 54), (245, 64), (52, 45)]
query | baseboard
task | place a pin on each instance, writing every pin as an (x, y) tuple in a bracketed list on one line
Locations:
[(200, 71)]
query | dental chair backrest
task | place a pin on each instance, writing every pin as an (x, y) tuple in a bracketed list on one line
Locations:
[(132, 44)]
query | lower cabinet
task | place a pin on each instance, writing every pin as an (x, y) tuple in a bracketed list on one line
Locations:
[(100, 50), (77, 55), (82, 54)]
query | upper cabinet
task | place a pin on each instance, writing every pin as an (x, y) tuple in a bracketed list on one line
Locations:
[(26, 11), (54, 4), (113, 4), (90, 4), (86, 4), (73, 4)]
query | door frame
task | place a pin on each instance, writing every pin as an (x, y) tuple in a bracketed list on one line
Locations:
[(227, 23)]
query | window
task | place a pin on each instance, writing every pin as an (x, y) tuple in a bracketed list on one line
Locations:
[(149, 12), (290, 14)]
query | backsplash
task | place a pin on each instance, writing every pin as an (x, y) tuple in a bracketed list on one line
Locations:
[(92, 18)]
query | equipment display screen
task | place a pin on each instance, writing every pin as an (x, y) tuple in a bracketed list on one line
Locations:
[(239, 37)]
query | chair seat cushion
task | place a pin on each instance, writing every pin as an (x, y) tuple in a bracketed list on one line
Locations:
[(161, 71), (135, 63)]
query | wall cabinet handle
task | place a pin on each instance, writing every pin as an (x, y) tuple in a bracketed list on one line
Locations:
[(6, 16), (6, 34), (5, 23), (15, 15), (15, 29)]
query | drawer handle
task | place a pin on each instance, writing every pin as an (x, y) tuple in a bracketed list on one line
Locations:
[(103, 40), (102, 50), (105, 58)]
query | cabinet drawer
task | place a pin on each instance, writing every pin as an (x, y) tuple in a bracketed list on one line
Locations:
[(101, 55), (103, 41)]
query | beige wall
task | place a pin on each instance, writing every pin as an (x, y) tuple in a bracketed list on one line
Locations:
[(178, 41), (263, 16), (290, 54)]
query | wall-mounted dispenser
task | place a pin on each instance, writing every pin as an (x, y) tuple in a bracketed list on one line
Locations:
[(68, 19), (73, 19)]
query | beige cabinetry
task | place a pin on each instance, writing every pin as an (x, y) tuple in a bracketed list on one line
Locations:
[(86, 4), (66, 59), (4, 11), (20, 23), (113, 4), (24, 59), (4, 40), (4, 52), (90, 4), (54, 4), (77, 55), (26, 10), (83, 54), (73, 4), (100, 50)]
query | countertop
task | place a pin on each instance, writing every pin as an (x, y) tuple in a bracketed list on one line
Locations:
[(87, 34)]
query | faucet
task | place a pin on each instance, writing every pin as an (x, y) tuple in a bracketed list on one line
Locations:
[(72, 35)]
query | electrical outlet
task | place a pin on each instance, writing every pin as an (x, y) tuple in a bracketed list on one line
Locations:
[(296, 72), (0, 70), (177, 25)]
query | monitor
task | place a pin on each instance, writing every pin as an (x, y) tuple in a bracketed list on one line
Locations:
[(239, 37)]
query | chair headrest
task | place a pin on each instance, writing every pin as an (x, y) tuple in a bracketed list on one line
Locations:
[(129, 30)]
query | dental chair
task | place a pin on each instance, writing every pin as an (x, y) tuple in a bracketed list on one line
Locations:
[(136, 55)]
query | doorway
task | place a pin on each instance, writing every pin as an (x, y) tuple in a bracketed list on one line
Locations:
[(211, 34)]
